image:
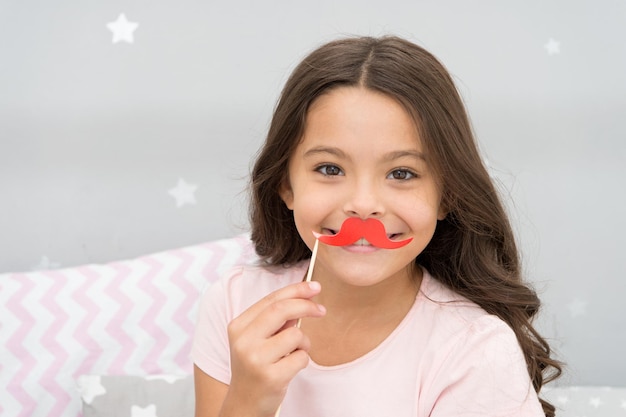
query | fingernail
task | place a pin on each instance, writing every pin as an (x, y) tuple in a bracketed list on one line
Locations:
[(321, 308), (314, 285)]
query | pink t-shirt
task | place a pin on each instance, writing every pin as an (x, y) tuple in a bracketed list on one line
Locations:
[(447, 357)]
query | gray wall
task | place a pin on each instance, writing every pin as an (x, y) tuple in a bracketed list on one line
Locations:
[(94, 134)]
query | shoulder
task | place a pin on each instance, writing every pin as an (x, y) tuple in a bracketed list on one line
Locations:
[(460, 331), (452, 310), (476, 359), (244, 285), (261, 278)]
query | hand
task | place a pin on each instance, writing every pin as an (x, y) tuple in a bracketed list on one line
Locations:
[(267, 349)]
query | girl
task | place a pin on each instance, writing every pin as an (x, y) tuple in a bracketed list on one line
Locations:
[(373, 129)]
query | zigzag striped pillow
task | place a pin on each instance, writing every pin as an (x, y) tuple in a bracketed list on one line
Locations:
[(133, 317)]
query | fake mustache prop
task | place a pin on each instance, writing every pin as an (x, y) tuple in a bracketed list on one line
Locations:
[(354, 229)]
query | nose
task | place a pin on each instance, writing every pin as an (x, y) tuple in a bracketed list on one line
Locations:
[(364, 201)]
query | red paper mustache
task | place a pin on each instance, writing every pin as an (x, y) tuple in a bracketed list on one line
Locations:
[(354, 229)]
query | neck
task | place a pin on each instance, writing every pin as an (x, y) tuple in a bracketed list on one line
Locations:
[(390, 297), (358, 318)]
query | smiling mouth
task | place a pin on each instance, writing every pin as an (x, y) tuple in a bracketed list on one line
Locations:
[(362, 241), (354, 229)]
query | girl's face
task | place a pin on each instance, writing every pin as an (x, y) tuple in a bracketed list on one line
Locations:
[(361, 156)]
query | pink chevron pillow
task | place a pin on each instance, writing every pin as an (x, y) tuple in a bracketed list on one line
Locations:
[(133, 317)]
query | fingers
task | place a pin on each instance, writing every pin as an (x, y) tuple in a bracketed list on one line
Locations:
[(292, 364), (288, 340), (284, 314), (267, 329), (270, 314), (267, 348), (301, 290)]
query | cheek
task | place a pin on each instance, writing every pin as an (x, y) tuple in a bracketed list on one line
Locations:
[(309, 209), (430, 201), (309, 196), (421, 213), (306, 223)]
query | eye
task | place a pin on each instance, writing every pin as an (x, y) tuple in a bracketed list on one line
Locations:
[(401, 174), (329, 170)]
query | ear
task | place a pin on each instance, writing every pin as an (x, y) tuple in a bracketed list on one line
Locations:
[(286, 193), (442, 213)]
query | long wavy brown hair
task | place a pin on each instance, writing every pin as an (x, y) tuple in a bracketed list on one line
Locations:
[(473, 250)]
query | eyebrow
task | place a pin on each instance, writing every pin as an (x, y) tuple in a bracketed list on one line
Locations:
[(325, 150), (390, 156)]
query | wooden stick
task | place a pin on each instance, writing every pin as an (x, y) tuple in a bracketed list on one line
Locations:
[(309, 275)]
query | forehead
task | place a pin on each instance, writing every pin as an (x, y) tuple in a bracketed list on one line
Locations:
[(359, 117)]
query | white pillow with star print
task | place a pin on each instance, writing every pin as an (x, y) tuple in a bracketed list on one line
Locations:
[(137, 396)]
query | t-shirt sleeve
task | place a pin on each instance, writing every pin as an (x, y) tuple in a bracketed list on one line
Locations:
[(485, 374), (210, 348)]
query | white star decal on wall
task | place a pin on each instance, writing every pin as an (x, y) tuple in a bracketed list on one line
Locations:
[(577, 308), (122, 29), (562, 400), (553, 47), (183, 193), (149, 411), (45, 264), (595, 402), (90, 387)]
